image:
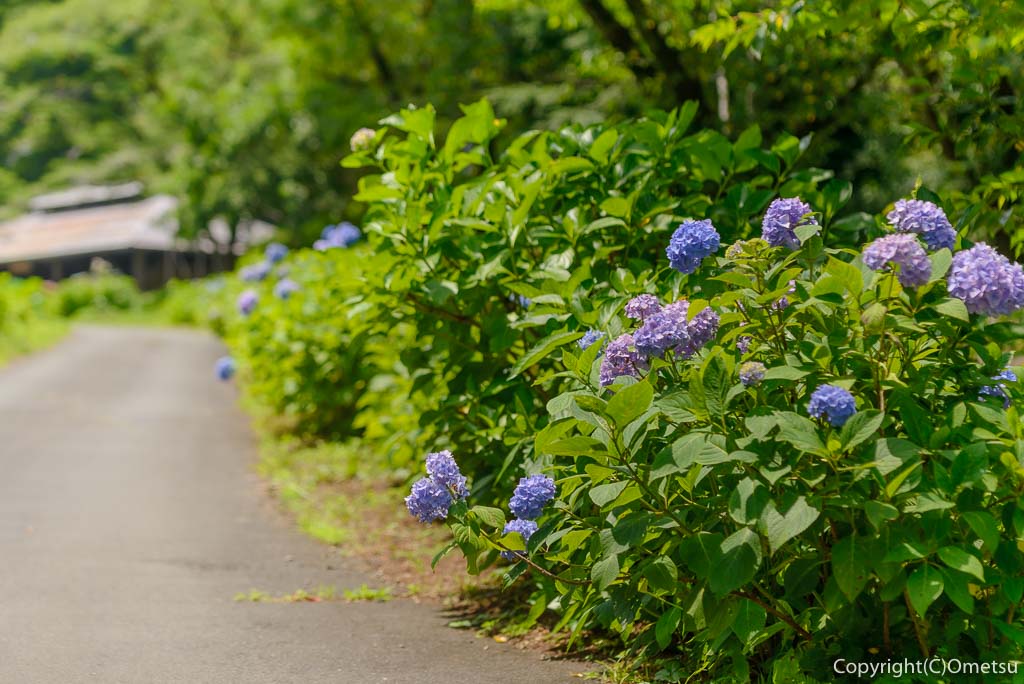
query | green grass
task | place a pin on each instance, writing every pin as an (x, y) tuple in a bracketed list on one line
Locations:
[(320, 594)]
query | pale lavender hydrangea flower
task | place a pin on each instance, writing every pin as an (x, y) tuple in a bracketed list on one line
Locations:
[(904, 250), (702, 329), (832, 403), (525, 528), (783, 217), (691, 243), (247, 302), (275, 252), (664, 330), (621, 359), (743, 343), (362, 139), (531, 495), (591, 337), (254, 273), (428, 501), (642, 306), (432, 496), (442, 469), (342, 235), (986, 281), (925, 219), (285, 288), (751, 373)]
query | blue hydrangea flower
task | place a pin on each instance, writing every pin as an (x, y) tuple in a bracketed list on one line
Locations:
[(664, 330), (620, 359), (999, 390), (925, 219), (642, 306), (781, 303), (254, 273), (247, 302), (743, 343), (442, 469), (691, 243), (225, 368), (832, 403), (433, 495), (702, 328), (524, 302), (342, 235), (531, 495), (285, 288), (986, 281), (525, 528), (275, 252), (591, 337), (904, 250), (751, 373), (429, 501), (783, 217)]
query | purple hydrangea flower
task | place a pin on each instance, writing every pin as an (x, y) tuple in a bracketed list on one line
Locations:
[(702, 329), (590, 338), (531, 495), (247, 302), (986, 281), (925, 219), (781, 303), (620, 359), (428, 501), (525, 528), (642, 306), (904, 250), (275, 252), (664, 330), (751, 373), (783, 217), (285, 288), (225, 368), (442, 469), (743, 343), (344, 234), (832, 403), (254, 273), (691, 243), (999, 390), (523, 302)]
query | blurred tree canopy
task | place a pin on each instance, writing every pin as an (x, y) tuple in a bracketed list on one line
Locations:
[(244, 107)]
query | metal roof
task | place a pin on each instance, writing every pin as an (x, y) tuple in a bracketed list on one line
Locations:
[(146, 224), (85, 195)]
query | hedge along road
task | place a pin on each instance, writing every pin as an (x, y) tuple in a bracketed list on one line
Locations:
[(130, 517)]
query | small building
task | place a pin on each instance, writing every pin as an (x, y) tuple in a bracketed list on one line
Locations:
[(64, 231)]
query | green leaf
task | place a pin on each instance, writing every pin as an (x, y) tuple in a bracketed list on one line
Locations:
[(849, 566), (953, 308), (747, 501), (924, 586), (956, 587), (542, 349), (739, 562), (860, 427), (604, 572), (784, 373), (985, 526), (629, 403), (801, 432), (606, 493), (779, 528), (958, 559), (880, 513), (573, 446), (750, 619), (492, 517), (700, 553), (661, 574), (666, 626), (604, 143)]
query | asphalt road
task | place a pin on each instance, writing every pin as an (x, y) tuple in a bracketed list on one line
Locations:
[(130, 517)]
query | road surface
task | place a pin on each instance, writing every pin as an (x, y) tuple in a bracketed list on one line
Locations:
[(130, 517)]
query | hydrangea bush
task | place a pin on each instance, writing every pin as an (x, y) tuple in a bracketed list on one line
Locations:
[(848, 482)]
